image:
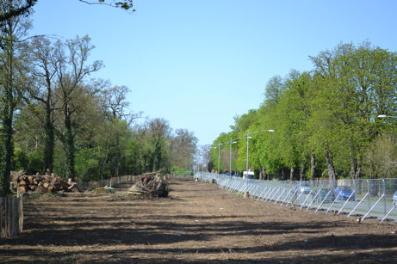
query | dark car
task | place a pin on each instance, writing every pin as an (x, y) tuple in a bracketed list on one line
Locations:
[(344, 193)]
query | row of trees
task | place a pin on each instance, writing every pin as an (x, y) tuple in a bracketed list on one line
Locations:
[(55, 117), (338, 120)]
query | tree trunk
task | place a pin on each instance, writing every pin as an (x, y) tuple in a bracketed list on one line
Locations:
[(354, 165), (102, 166), (8, 142), (330, 168), (49, 143), (301, 171), (118, 155), (313, 165), (291, 173), (261, 173), (8, 112), (69, 144)]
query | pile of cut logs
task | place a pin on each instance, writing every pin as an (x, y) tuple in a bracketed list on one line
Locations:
[(22, 183), (151, 185)]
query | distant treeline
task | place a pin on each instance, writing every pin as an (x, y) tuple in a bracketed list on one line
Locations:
[(338, 120), (55, 117)]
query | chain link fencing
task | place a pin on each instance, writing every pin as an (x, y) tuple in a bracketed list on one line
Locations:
[(364, 198)]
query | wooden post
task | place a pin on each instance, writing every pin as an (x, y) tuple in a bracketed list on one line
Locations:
[(11, 212), (8, 217), (1, 217), (14, 214), (11, 216), (5, 217), (20, 213)]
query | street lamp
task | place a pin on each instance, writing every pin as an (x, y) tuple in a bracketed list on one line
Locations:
[(246, 161), (249, 137), (219, 155), (230, 156)]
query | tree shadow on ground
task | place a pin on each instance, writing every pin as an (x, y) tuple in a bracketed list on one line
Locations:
[(126, 256), (154, 231), (108, 227)]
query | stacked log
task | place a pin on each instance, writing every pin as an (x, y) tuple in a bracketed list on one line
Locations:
[(48, 183), (150, 185)]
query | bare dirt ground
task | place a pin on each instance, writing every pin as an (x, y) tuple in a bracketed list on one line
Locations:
[(199, 223)]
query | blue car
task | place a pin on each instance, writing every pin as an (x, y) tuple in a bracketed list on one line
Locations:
[(344, 192), (395, 198)]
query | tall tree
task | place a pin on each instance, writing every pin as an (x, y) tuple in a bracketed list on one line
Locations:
[(72, 67), (43, 73), (294, 112), (183, 148), (12, 81), (326, 120), (274, 89), (115, 102), (159, 133)]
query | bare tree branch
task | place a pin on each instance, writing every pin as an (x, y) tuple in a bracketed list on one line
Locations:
[(125, 4)]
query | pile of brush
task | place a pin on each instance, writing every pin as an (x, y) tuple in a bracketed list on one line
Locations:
[(150, 185)]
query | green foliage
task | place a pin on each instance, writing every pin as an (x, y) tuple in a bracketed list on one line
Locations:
[(87, 164), (29, 161), (325, 121), (181, 171), (381, 157), (92, 133)]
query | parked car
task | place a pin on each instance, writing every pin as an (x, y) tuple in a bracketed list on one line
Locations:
[(322, 194), (344, 192), (395, 198), (304, 187)]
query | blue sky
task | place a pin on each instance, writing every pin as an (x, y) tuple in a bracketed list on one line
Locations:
[(200, 63)]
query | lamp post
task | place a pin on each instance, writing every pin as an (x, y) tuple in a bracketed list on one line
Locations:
[(230, 156), (219, 155), (246, 161), (249, 137)]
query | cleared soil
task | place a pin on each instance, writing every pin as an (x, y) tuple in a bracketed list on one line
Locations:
[(199, 223)]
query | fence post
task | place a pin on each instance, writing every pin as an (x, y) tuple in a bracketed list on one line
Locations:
[(385, 200), (15, 220), (10, 217), (20, 213), (2, 217)]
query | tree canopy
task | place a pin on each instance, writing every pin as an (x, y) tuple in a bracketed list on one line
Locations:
[(326, 122), (55, 117)]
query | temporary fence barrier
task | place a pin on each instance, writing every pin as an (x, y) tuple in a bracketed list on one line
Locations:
[(366, 198)]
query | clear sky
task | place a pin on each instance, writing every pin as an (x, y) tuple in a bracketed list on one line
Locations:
[(199, 63)]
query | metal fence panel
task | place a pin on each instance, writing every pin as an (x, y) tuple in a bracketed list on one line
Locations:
[(375, 198)]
